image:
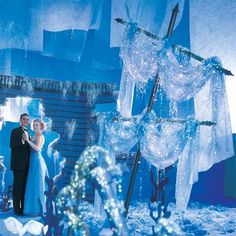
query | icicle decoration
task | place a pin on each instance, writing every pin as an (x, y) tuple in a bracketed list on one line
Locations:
[(139, 56), (2, 175), (181, 80), (161, 142), (164, 143), (118, 134)]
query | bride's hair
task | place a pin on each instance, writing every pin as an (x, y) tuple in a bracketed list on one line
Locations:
[(42, 123)]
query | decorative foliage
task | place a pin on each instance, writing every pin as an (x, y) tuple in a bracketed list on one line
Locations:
[(95, 166), (67, 87), (51, 218), (5, 195), (166, 227), (6, 199), (158, 198), (2, 173)]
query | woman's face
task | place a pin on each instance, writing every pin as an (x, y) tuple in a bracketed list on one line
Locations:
[(36, 126)]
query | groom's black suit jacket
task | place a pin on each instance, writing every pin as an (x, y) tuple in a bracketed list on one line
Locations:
[(20, 152)]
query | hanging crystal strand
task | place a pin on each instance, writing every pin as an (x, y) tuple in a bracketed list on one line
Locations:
[(119, 186), (140, 184), (161, 102), (158, 172), (216, 90), (141, 89), (139, 55), (173, 109), (83, 191)]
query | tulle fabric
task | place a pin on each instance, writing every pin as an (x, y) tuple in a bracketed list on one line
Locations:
[(139, 65), (181, 80)]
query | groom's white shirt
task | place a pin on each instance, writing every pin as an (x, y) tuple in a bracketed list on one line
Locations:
[(24, 129)]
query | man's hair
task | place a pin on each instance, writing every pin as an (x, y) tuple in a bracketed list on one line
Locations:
[(24, 114)]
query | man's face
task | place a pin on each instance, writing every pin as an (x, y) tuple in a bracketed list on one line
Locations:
[(24, 121)]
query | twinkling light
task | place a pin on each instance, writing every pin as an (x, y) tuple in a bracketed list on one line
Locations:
[(180, 80), (161, 142), (140, 62), (95, 167)]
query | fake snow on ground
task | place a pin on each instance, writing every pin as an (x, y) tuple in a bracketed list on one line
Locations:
[(22, 219), (197, 220)]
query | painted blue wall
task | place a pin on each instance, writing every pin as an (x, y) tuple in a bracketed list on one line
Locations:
[(78, 55), (71, 54)]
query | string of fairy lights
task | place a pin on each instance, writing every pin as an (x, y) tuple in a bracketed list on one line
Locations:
[(142, 59)]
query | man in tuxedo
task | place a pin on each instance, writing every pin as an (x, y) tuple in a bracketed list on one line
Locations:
[(20, 154)]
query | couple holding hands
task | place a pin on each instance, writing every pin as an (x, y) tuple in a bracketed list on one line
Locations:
[(29, 168)]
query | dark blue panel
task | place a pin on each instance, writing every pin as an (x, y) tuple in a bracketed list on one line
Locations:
[(67, 44)]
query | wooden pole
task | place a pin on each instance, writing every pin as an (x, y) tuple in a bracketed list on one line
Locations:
[(177, 47), (149, 108)]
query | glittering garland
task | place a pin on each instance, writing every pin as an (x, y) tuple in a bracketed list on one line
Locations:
[(179, 48), (143, 57), (139, 56), (95, 166)]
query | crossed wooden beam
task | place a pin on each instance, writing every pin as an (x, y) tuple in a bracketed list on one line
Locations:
[(154, 93), (175, 46)]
